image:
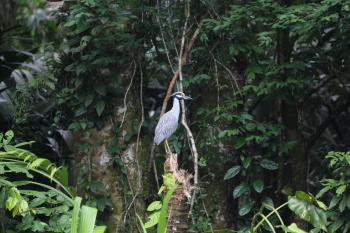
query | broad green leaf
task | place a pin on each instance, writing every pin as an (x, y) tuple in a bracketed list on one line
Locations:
[(8, 137), (153, 220), (88, 100), (87, 219), (232, 172), (342, 204), (293, 228), (156, 205), (340, 190), (11, 202), (304, 196), (318, 217), (39, 226), (245, 208), (75, 215), (100, 229), (268, 164), (308, 211), (240, 190), (258, 185), (100, 107), (334, 201)]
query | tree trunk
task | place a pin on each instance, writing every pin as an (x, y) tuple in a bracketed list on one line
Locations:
[(297, 156), (122, 174), (178, 204), (7, 20)]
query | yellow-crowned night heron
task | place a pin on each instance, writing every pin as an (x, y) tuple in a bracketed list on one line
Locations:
[(168, 123)]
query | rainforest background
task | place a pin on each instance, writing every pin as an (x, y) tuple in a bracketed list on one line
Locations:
[(86, 80)]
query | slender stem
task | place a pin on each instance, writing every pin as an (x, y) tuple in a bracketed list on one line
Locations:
[(268, 222), (278, 215), (272, 212)]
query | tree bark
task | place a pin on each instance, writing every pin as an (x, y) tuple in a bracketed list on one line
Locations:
[(7, 21)]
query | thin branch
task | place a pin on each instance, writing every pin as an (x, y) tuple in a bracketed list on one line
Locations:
[(141, 123), (163, 40), (229, 72), (184, 61), (183, 117), (126, 95), (127, 210), (206, 213)]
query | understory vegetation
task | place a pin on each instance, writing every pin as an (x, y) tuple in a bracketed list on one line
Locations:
[(262, 147)]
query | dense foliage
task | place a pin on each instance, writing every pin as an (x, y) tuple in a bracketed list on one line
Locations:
[(269, 79)]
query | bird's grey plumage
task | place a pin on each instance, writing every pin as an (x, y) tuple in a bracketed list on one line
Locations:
[(168, 123)]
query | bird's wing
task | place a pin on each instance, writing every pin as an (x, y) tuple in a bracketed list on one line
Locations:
[(165, 128)]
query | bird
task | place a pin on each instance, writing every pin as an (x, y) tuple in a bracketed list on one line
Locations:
[(168, 123)]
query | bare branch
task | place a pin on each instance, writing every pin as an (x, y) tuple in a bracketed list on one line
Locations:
[(183, 117), (126, 95)]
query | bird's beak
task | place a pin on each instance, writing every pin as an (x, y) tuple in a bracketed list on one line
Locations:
[(187, 98)]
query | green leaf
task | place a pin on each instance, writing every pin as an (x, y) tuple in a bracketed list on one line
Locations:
[(37, 162), (11, 202), (100, 106), (8, 137), (258, 185), (39, 226), (245, 208), (156, 205), (88, 100), (268, 164), (153, 220), (169, 180), (240, 190), (246, 161), (342, 204), (336, 225), (75, 215), (340, 190), (304, 196), (305, 209), (87, 219), (232, 172), (334, 201), (101, 89), (293, 228), (321, 205), (100, 229)]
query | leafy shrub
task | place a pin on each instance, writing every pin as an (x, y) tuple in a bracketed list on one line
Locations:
[(35, 204), (337, 189)]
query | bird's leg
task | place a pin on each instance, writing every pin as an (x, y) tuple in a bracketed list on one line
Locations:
[(168, 150), (165, 146)]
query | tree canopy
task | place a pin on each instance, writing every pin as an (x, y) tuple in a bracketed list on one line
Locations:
[(265, 137)]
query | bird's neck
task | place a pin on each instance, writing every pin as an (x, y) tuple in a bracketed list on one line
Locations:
[(176, 107)]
